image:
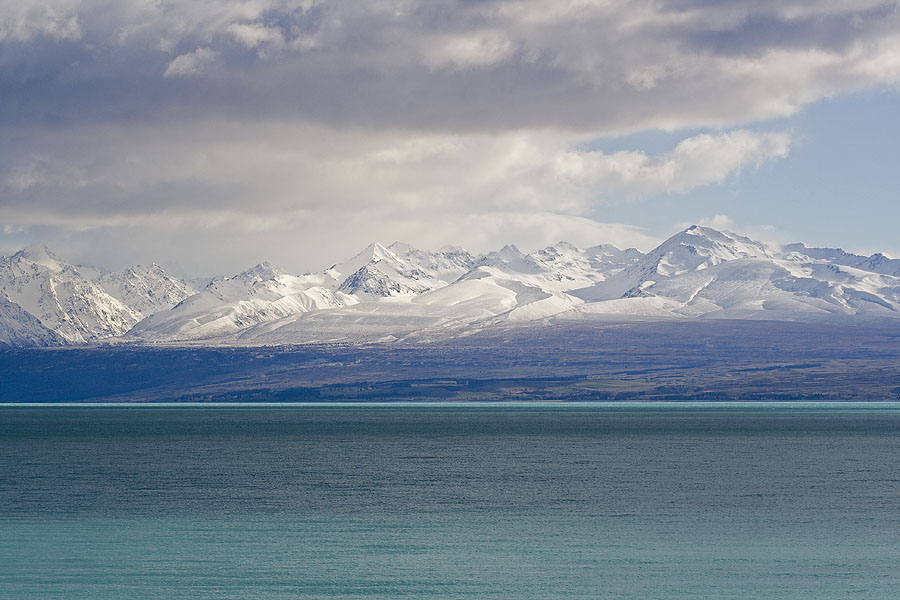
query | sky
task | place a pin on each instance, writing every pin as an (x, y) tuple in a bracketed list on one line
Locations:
[(208, 135)]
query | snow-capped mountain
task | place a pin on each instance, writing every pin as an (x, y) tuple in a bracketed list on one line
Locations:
[(266, 293), (609, 259), (61, 298), (566, 267), (18, 328), (506, 286), (694, 249), (877, 263), (400, 292), (447, 264), (400, 270), (709, 273), (144, 289), (228, 305)]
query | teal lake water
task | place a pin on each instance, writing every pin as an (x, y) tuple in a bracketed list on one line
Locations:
[(450, 501)]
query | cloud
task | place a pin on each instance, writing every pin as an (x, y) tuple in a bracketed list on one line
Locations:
[(298, 166), (191, 64), (278, 184), (717, 222), (303, 243), (254, 35), (308, 128), (765, 233), (604, 67), (12, 229), (695, 161), (24, 21), (473, 50)]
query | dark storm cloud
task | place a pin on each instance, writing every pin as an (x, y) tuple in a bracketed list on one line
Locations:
[(834, 32), (471, 65)]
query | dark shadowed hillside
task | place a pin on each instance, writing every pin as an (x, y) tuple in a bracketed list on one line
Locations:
[(706, 360)]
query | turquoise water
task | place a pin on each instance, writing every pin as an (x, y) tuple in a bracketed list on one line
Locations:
[(462, 501)]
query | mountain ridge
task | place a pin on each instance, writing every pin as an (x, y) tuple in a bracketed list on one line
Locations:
[(399, 292)]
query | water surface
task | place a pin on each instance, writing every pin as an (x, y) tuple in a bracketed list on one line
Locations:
[(450, 501)]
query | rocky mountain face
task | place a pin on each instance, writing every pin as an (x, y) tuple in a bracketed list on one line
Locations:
[(701, 272), (227, 305), (19, 328), (400, 292), (61, 298), (83, 304), (145, 289)]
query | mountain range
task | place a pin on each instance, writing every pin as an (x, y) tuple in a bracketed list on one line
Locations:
[(398, 292)]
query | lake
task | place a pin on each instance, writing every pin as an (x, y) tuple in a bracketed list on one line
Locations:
[(450, 501)]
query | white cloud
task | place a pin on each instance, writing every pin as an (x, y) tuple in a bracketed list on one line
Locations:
[(765, 233), (309, 166), (23, 21), (254, 35), (472, 50), (191, 64), (456, 120), (12, 229), (41, 171), (717, 222), (275, 185), (695, 161)]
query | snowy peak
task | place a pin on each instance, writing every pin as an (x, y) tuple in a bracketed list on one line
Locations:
[(229, 305), (692, 250), (802, 252), (508, 254), (373, 253), (83, 304), (398, 270), (704, 272), (558, 268), (447, 264), (560, 251), (61, 298), (563, 266), (610, 260), (401, 248), (372, 281), (509, 259), (145, 289), (401, 292), (264, 271), (41, 256), (18, 328), (263, 281), (877, 263), (698, 247)]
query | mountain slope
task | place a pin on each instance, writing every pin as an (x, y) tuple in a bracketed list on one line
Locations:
[(144, 289), (399, 292), (20, 329), (447, 264), (380, 272), (500, 287), (265, 294), (704, 272), (61, 298), (228, 305), (877, 263)]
